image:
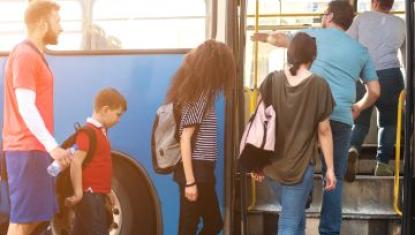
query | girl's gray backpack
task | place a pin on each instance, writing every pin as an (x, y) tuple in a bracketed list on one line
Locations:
[(165, 139), (165, 144)]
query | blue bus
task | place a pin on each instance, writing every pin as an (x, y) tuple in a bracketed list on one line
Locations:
[(135, 46)]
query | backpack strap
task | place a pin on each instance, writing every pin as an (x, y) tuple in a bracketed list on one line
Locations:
[(92, 143), (71, 140), (198, 126), (178, 116)]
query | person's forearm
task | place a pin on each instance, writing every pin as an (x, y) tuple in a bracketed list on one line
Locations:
[(278, 39), (76, 177), (32, 118), (326, 143), (372, 94), (403, 54), (186, 151), (368, 99)]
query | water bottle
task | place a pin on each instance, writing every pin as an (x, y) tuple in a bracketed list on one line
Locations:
[(55, 168)]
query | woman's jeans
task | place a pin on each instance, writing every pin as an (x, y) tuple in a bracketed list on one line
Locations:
[(331, 208), (293, 199), (391, 84)]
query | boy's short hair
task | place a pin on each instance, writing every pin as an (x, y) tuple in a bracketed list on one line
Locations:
[(38, 10), (110, 97)]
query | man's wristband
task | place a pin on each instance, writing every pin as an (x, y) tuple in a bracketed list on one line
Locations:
[(190, 185)]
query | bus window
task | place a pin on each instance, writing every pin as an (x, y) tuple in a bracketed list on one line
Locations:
[(11, 23), (286, 15), (13, 29), (143, 24)]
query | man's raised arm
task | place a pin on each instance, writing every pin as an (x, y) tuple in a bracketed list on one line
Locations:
[(275, 38)]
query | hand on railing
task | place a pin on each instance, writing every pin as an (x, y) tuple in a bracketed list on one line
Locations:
[(258, 176)]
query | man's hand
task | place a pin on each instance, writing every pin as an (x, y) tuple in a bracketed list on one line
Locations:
[(62, 156), (258, 176), (73, 200), (356, 110), (261, 37)]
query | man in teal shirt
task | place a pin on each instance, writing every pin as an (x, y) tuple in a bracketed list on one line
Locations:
[(341, 61)]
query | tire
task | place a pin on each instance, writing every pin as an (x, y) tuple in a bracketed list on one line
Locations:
[(140, 212)]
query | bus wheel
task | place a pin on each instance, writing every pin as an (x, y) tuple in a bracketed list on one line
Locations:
[(136, 199)]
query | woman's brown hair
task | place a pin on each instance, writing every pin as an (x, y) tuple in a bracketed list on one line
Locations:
[(302, 50), (208, 69)]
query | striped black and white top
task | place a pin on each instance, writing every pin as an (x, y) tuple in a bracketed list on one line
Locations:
[(194, 114)]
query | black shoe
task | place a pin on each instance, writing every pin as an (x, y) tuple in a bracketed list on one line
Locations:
[(352, 165)]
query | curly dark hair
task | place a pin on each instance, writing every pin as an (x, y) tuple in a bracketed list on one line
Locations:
[(208, 69)]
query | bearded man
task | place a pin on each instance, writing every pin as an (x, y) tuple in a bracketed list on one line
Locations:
[(27, 135)]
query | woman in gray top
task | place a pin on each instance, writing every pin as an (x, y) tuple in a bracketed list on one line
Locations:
[(383, 34)]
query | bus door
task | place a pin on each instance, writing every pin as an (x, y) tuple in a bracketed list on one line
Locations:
[(368, 203), (408, 205)]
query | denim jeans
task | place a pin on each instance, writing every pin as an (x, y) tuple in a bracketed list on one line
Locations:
[(391, 84), (293, 199), (331, 209)]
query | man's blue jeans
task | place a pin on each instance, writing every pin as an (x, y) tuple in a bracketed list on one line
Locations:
[(331, 210), (293, 199), (391, 84)]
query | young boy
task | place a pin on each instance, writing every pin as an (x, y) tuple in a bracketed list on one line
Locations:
[(92, 183)]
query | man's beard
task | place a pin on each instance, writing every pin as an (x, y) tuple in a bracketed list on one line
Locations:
[(50, 38)]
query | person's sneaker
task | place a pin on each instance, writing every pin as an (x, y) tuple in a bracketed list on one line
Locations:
[(352, 164), (383, 169)]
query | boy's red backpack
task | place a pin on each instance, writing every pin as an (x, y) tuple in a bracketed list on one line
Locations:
[(64, 184)]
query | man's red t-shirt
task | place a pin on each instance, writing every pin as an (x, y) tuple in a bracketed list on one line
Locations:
[(97, 174), (26, 69)]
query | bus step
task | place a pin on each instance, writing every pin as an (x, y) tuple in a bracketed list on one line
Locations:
[(266, 224), (365, 166), (367, 195)]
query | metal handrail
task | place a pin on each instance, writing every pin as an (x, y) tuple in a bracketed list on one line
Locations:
[(253, 97), (282, 27), (305, 14), (398, 155), (253, 94)]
